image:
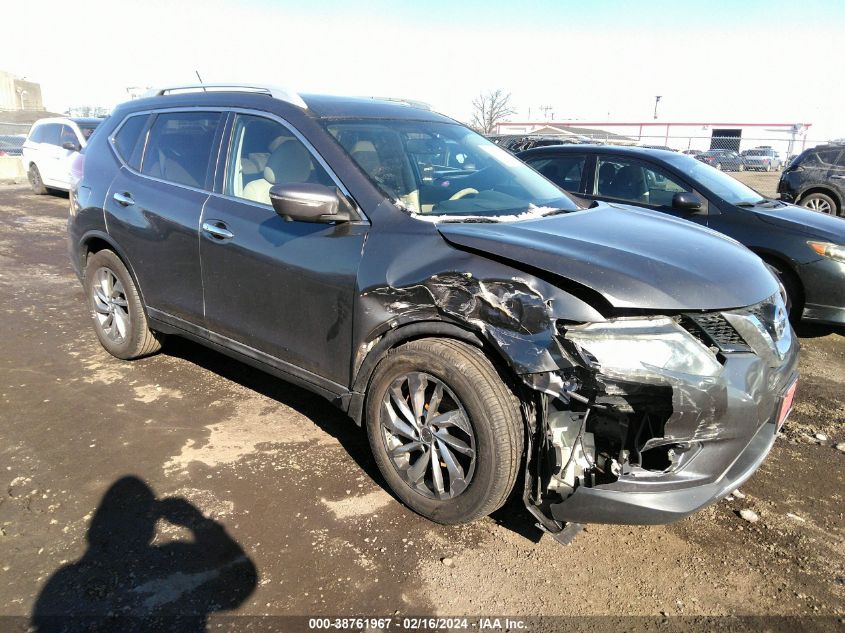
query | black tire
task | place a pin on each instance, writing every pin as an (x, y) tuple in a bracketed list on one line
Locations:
[(35, 182), (136, 339), (792, 286), (494, 415), (819, 202)]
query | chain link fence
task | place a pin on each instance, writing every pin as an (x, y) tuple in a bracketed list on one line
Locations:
[(12, 136)]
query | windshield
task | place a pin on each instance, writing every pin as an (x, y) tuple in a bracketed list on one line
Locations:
[(724, 186), (438, 169)]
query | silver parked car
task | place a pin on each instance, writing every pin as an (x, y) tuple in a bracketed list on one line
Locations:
[(762, 159)]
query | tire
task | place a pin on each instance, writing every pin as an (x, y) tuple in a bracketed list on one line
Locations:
[(741, 167), (35, 181), (819, 202), (113, 300), (719, 166), (482, 412), (794, 291)]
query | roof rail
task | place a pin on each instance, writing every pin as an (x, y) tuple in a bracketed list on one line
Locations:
[(272, 91)]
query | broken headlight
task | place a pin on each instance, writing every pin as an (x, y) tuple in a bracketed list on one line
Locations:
[(622, 346)]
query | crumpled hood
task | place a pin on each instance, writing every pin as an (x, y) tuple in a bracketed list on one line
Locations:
[(633, 257)]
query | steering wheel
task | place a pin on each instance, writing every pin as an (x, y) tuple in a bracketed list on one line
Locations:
[(463, 192)]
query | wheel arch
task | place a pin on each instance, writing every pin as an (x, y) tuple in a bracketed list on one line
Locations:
[(828, 191), (415, 330), (788, 267), (95, 241)]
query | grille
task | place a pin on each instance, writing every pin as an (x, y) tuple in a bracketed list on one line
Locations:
[(714, 329)]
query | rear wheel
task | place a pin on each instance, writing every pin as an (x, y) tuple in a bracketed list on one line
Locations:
[(116, 308), (819, 202), (445, 430), (35, 181)]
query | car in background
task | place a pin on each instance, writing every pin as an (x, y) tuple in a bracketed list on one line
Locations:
[(806, 249), (722, 159), (762, 159), (665, 148), (521, 142), (692, 152), (51, 148), (486, 327), (11, 144), (816, 179)]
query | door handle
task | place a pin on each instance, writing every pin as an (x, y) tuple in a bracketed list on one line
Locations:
[(217, 229), (123, 199)]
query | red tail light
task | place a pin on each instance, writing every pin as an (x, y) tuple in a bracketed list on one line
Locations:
[(2, 153)]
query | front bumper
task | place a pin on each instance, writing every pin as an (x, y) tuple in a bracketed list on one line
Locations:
[(729, 426), (606, 505), (824, 290)]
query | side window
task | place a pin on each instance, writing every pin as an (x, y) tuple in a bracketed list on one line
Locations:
[(564, 171), (636, 182), (37, 135), (828, 157), (51, 132), (263, 153), (127, 140), (179, 147), (67, 135)]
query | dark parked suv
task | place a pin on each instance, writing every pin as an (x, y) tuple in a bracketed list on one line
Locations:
[(816, 180), (479, 322)]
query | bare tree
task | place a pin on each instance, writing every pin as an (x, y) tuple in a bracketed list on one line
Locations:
[(488, 108)]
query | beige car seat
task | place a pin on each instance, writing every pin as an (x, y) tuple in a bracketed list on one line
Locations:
[(289, 163)]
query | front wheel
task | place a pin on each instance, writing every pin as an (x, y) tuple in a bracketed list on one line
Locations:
[(445, 430), (116, 308)]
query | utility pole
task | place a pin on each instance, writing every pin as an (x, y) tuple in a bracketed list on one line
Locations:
[(656, 101)]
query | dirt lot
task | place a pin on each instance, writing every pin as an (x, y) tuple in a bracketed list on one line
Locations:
[(294, 517)]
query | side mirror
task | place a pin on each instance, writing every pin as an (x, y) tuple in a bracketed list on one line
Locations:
[(308, 202), (686, 201), (71, 146)]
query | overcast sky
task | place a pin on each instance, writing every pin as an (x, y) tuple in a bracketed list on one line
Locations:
[(770, 61)]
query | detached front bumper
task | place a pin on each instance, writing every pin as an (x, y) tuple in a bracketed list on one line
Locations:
[(724, 426), (604, 504)]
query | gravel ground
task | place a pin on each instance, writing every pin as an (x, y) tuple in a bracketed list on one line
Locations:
[(239, 493)]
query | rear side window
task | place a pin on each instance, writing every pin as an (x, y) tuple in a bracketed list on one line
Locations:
[(564, 171), (179, 147), (828, 157), (37, 135), (127, 140)]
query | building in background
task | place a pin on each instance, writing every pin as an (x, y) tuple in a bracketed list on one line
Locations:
[(19, 94)]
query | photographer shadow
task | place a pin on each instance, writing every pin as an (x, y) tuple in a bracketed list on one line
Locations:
[(126, 582)]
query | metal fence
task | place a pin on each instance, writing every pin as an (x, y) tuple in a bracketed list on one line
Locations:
[(12, 136)]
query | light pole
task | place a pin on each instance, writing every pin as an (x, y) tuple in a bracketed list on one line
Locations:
[(656, 101)]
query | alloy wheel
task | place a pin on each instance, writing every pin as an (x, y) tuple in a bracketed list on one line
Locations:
[(819, 204), (111, 308), (428, 436)]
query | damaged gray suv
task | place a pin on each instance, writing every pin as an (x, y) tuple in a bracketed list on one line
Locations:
[(484, 326)]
